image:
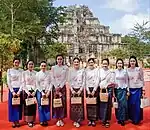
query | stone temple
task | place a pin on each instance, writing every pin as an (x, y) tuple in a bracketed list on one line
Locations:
[(85, 36)]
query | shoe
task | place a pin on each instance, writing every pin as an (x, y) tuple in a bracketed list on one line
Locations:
[(17, 124), (119, 122), (42, 123), (13, 125), (107, 125), (77, 125), (61, 123), (45, 123), (135, 123), (74, 123), (122, 123), (90, 123), (93, 124), (30, 124), (58, 123)]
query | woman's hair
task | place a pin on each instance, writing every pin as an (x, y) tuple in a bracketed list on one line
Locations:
[(16, 58), (76, 58), (60, 56), (43, 62), (106, 59), (28, 63), (119, 59), (91, 59), (136, 64)]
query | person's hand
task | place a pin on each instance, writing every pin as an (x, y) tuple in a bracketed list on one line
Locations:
[(93, 93), (73, 92), (14, 94), (47, 94), (128, 93), (18, 94), (33, 94), (79, 92), (29, 94)]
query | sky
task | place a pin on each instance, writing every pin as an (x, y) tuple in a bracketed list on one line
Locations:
[(120, 15)]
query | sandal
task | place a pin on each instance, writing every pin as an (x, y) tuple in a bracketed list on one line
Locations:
[(103, 123), (17, 124), (107, 124), (13, 125), (30, 124)]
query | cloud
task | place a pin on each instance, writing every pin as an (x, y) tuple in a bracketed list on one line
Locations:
[(122, 5), (125, 24)]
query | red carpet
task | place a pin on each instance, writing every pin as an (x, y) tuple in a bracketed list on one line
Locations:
[(5, 125)]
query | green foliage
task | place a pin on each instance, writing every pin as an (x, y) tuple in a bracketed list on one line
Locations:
[(4, 78), (30, 21), (142, 32), (54, 49), (136, 47), (118, 53), (8, 46)]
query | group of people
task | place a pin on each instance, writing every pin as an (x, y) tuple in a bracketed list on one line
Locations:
[(123, 85)]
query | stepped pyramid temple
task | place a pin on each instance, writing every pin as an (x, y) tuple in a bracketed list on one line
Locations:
[(85, 36)]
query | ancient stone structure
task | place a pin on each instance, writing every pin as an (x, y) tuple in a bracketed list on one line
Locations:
[(85, 36)]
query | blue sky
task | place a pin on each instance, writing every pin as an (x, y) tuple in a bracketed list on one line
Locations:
[(120, 15)]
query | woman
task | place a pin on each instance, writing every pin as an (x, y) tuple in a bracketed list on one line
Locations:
[(106, 80), (121, 91), (91, 83), (59, 77), (136, 83), (76, 82), (29, 87), (43, 84), (14, 77)]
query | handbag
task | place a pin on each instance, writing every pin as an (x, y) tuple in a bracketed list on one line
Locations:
[(57, 103), (16, 101), (44, 101), (145, 102), (30, 101), (104, 96), (91, 100), (115, 103), (76, 100)]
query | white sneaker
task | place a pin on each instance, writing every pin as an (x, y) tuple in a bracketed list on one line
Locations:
[(61, 123), (58, 123), (77, 125), (74, 123)]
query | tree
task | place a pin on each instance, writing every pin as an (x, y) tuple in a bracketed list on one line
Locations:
[(28, 20), (118, 53), (142, 32), (56, 48), (135, 46), (8, 46)]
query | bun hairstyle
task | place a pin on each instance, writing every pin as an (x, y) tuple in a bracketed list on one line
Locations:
[(60, 55), (28, 63), (76, 58), (119, 59), (136, 64), (43, 62), (16, 58), (91, 59), (106, 59)]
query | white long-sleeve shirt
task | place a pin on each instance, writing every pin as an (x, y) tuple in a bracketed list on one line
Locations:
[(76, 79), (59, 75), (29, 80), (92, 78), (43, 81), (106, 78), (136, 78), (14, 79), (121, 78)]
